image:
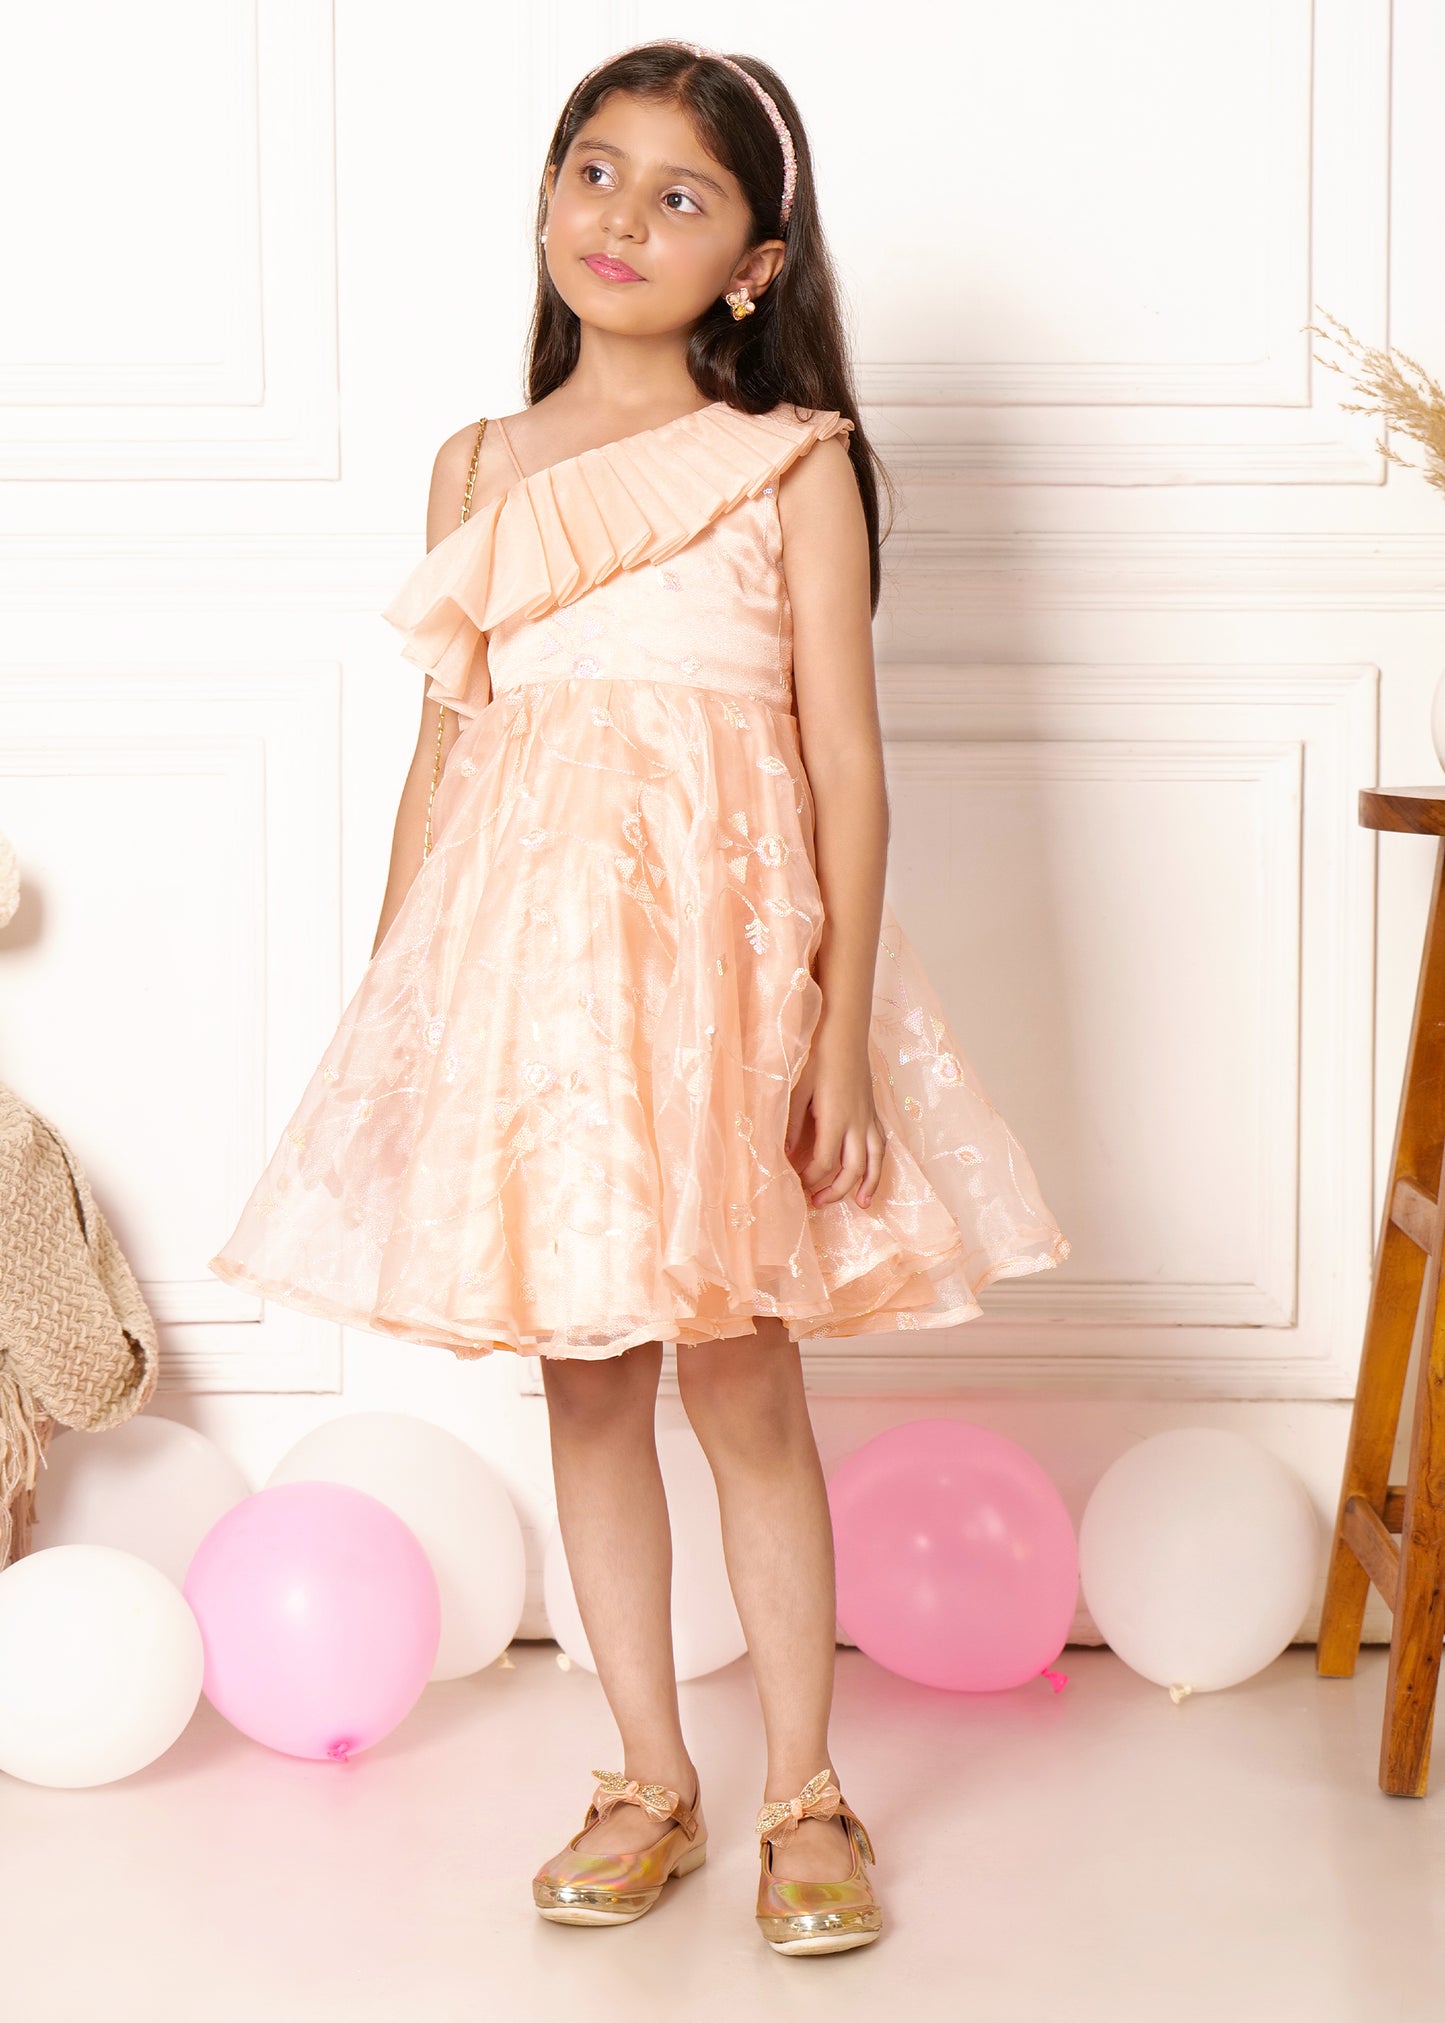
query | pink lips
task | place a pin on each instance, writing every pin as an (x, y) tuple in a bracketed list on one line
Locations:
[(611, 270)]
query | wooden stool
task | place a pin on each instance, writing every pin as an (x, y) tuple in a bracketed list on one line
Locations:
[(1410, 1574)]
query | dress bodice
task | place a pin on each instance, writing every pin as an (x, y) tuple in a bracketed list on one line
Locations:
[(655, 558), (714, 615)]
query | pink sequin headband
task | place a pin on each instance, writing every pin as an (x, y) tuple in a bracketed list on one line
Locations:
[(779, 124)]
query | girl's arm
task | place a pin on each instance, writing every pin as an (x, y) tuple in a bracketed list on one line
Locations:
[(825, 563), (443, 513)]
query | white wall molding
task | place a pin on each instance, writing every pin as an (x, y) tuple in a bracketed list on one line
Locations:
[(255, 393), (1266, 416), (226, 785)]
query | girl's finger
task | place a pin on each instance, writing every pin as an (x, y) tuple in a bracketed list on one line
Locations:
[(876, 1143), (824, 1163), (850, 1172)]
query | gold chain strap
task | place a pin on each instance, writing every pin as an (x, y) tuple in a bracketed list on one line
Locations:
[(442, 708)]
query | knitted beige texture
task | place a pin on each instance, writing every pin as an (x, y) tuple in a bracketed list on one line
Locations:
[(77, 1342)]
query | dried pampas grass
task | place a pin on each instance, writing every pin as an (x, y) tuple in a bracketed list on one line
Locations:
[(1417, 413)]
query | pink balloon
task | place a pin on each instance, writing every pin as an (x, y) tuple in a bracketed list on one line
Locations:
[(957, 1560), (320, 1616)]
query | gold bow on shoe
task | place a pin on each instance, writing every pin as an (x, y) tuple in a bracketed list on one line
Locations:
[(658, 1801), (818, 1799)]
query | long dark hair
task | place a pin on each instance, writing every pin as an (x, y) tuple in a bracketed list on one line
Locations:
[(792, 348)]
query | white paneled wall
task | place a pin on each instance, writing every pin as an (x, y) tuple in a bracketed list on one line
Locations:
[(1156, 607), (177, 232)]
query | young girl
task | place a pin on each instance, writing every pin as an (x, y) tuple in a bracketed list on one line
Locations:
[(641, 1054)]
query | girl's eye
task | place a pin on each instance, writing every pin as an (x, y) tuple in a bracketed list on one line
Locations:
[(586, 169)]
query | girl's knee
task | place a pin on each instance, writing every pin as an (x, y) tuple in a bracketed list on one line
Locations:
[(745, 1396), (602, 1390)]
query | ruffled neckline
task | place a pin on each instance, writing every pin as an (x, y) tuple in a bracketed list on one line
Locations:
[(549, 538), (601, 449)]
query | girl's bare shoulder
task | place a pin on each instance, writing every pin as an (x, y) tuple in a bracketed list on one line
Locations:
[(825, 471), (451, 469), (818, 496)]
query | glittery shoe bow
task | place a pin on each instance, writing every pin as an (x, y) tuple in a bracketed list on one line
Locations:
[(819, 1797), (656, 1800)]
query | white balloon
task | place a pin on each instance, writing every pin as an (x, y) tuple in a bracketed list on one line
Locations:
[(1199, 1552), (454, 1501), (101, 1662), (150, 1486), (706, 1630)]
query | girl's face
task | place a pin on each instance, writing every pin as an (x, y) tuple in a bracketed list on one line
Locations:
[(637, 193)]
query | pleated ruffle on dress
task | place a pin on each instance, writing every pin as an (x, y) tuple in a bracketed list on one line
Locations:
[(552, 1116)]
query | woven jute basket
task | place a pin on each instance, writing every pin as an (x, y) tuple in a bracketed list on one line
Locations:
[(78, 1343)]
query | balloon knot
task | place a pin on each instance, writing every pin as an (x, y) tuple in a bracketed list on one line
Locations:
[(1058, 1680)]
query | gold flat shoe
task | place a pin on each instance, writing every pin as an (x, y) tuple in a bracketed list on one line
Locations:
[(576, 1888), (815, 1917)]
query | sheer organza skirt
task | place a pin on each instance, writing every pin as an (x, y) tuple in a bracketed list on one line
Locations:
[(553, 1115)]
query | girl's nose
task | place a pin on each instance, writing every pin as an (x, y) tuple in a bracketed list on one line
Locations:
[(622, 217)]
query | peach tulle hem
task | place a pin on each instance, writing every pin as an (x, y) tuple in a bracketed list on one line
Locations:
[(471, 1348)]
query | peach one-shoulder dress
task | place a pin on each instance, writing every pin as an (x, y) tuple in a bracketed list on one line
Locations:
[(552, 1117)]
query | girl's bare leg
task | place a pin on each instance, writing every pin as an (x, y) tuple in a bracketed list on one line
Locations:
[(613, 1514), (745, 1398)]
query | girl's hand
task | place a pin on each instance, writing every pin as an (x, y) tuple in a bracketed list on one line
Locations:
[(835, 1141)]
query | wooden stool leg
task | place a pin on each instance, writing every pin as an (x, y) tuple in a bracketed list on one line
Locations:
[(1418, 1629), (1408, 1234)]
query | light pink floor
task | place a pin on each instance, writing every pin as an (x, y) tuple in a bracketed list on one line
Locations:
[(1043, 1858)]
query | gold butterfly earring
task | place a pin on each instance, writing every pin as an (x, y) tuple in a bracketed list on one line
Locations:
[(738, 302)]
